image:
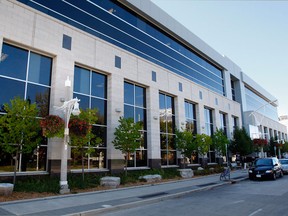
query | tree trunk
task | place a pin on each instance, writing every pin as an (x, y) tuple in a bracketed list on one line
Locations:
[(15, 167)]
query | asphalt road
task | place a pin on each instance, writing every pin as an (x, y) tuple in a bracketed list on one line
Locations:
[(246, 198)]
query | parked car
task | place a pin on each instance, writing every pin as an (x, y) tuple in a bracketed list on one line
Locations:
[(270, 168), (284, 163)]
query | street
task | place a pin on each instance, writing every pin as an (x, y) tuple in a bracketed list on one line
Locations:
[(243, 198)]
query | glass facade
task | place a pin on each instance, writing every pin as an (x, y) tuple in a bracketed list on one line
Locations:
[(135, 107), (190, 115), (25, 74), (223, 124), (91, 88), (208, 121), (110, 21), (167, 129), (254, 102)]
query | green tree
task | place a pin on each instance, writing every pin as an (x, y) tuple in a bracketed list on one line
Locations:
[(82, 137), (185, 143), (127, 137), (220, 141), (241, 142), (203, 143), (19, 129)]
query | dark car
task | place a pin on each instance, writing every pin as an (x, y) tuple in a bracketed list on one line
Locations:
[(262, 168)]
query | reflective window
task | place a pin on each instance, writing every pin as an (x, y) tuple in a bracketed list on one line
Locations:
[(208, 121), (167, 129), (39, 69), (15, 65), (114, 23), (135, 108), (255, 102), (91, 88), (223, 124), (190, 115)]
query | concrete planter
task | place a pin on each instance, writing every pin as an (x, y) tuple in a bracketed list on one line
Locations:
[(6, 189), (151, 178), (186, 173), (110, 182)]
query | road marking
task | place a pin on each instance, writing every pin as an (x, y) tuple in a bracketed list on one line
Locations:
[(106, 206), (239, 201), (255, 212)]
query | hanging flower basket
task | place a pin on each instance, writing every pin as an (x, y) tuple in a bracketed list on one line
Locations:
[(260, 142), (78, 127), (52, 126)]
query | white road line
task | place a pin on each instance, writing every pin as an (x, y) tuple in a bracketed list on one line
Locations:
[(255, 212), (239, 201)]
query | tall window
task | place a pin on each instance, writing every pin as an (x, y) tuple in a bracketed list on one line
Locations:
[(208, 121), (167, 129), (190, 115), (25, 74), (223, 124), (135, 107), (209, 131), (91, 88)]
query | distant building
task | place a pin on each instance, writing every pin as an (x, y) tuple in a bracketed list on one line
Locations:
[(125, 58)]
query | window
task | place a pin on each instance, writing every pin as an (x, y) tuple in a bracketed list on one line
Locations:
[(200, 95), (66, 43), (154, 76), (26, 74), (91, 88), (223, 124), (117, 62), (167, 129), (135, 107), (180, 87), (191, 125), (208, 121), (190, 115)]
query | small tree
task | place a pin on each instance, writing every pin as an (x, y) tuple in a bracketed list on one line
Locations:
[(81, 135), (241, 143), (203, 143), (19, 129), (127, 137), (220, 142), (185, 143)]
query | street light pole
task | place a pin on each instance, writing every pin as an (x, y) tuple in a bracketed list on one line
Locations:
[(69, 107)]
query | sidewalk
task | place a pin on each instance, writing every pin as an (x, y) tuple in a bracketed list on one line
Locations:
[(92, 203)]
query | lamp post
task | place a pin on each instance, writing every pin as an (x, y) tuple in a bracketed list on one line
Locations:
[(69, 107)]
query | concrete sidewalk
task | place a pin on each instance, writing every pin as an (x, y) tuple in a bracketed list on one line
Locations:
[(92, 203)]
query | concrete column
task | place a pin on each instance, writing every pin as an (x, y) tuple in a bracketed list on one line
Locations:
[(153, 128), (115, 109)]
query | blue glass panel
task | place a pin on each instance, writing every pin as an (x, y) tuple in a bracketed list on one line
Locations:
[(9, 90), (13, 62), (40, 69), (99, 83), (100, 105), (129, 93), (81, 80), (140, 96), (128, 111), (39, 95)]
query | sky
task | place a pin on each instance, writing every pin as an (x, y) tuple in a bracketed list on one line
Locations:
[(253, 34)]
